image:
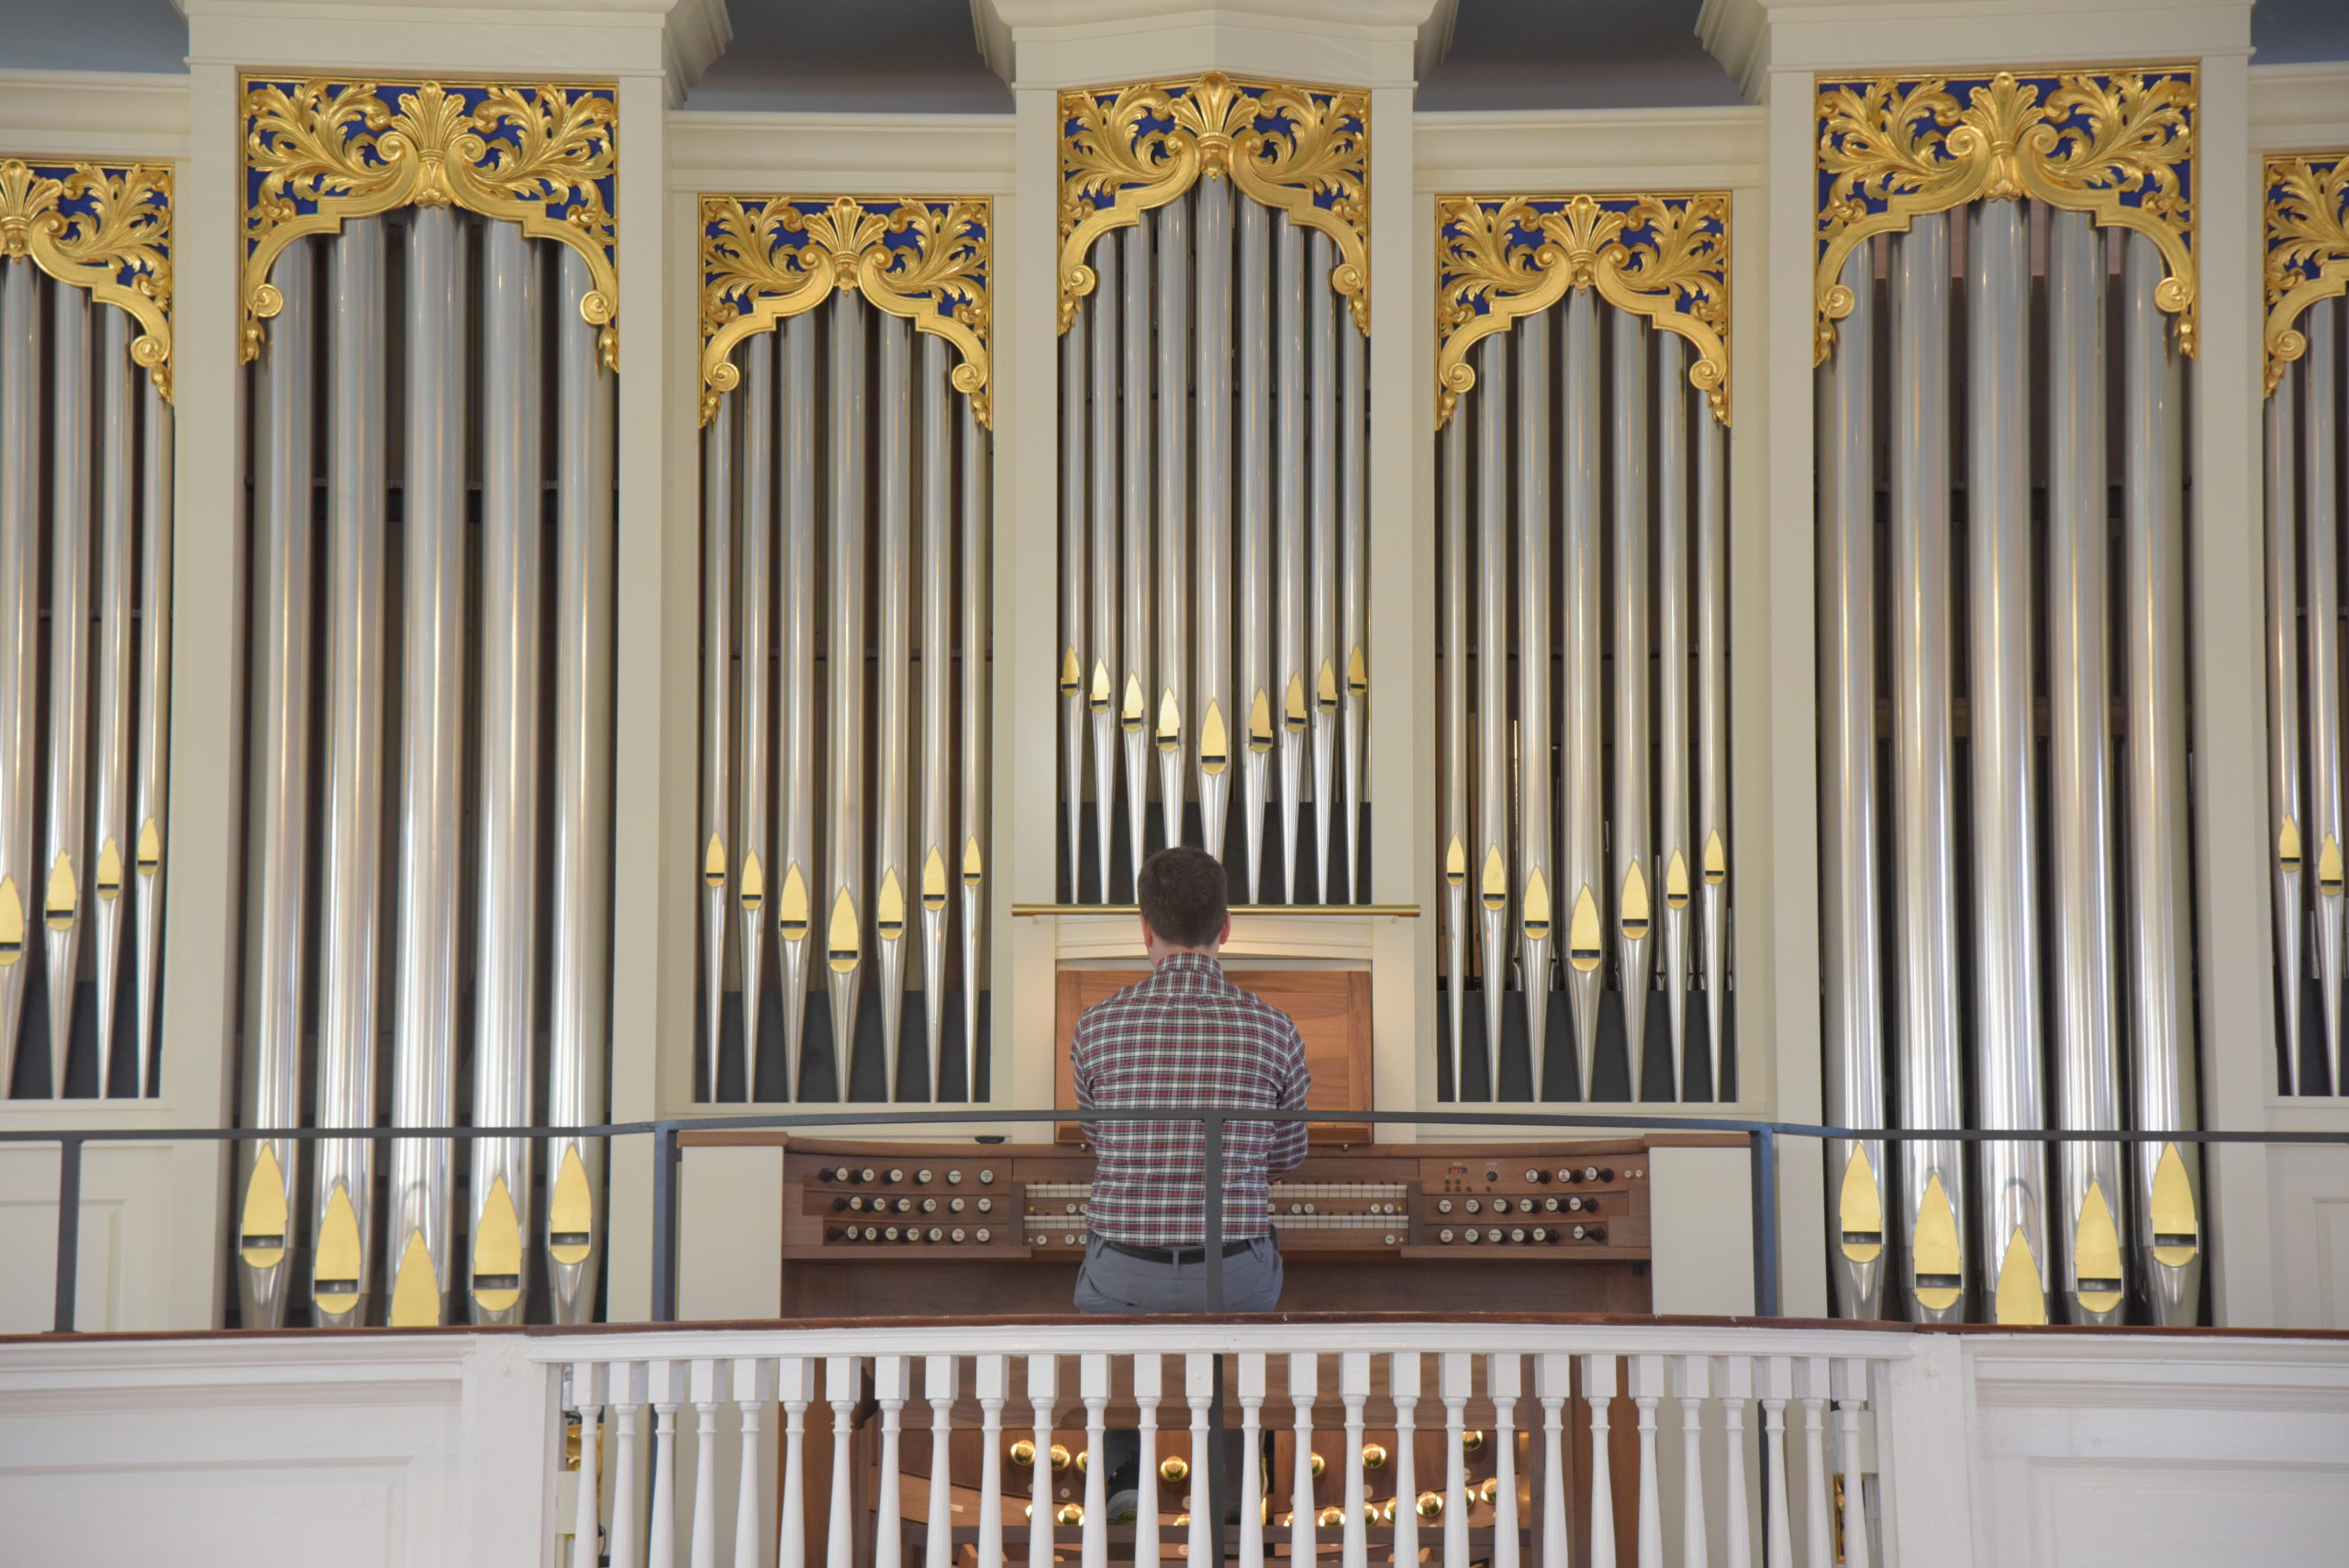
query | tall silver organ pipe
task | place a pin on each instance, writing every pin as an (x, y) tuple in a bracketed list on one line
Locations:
[(1494, 850), (110, 837), (1075, 665), (1135, 596), (1712, 737), (1101, 694), (71, 529), (2080, 730), (1453, 531), (1583, 888), (1631, 873), (2009, 1065), (1853, 1001), (1290, 538), (1353, 584), (1217, 715), (2164, 1193), (892, 564), (1171, 697), (799, 909), (342, 1209), (752, 855), (147, 803), (933, 840), (281, 795), (1253, 701), (2281, 474), (1933, 1187), (1675, 862), (432, 810), (718, 492), (20, 881), (580, 960), (2320, 472), (978, 597), (846, 784), (1536, 520), (1320, 663), (506, 973)]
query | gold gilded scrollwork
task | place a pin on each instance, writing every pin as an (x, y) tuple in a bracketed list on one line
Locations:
[(318, 152), (1664, 257), (2116, 145), (1299, 150), (765, 259), (104, 227), (2307, 247)]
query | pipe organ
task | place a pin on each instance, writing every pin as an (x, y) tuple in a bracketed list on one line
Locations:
[(429, 293), (1582, 600), (86, 509), (1214, 670), (2306, 333), (2005, 299), (845, 649)]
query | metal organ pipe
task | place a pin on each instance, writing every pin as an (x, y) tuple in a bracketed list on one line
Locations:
[(109, 838), (1584, 890), (717, 708), (2164, 1193), (432, 683), (1217, 716), (1101, 694), (2320, 476), (578, 1014), (2008, 1058), (506, 973), (342, 1198), (1457, 838), (1630, 876), (1712, 729), (1254, 698), (752, 720), (1074, 666), (845, 789), (154, 707), (1290, 536), (2284, 706), (1535, 519), (1174, 474), (1133, 692), (20, 883), (798, 907), (1852, 999), (933, 844), (1353, 587), (280, 795), (1494, 849), (978, 581), (2079, 733), (1932, 1185), (67, 887), (1674, 861), (1321, 546), (892, 564)]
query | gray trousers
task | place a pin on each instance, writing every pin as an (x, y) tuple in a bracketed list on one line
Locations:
[(1113, 1283)]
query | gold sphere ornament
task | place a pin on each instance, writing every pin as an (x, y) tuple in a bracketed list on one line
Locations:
[(1386, 1512), (1174, 1470), (1471, 1442), (1430, 1505), (1084, 1459), (1181, 1520), (1070, 1514), (1317, 1464), (1374, 1456), (1490, 1489), (1023, 1452), (1330, 1517), (1060, 1457)]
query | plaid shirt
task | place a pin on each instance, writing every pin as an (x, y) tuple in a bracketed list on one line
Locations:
[(1187, 1036)]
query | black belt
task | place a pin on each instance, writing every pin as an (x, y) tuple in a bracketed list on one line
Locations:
[(1173, 1254)]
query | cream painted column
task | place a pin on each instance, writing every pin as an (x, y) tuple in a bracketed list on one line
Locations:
[(2229, 610)]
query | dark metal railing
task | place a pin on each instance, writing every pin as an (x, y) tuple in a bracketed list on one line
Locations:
[(1761, 1139)]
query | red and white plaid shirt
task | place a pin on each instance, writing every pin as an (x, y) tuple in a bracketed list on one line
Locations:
[(1186, 1036)]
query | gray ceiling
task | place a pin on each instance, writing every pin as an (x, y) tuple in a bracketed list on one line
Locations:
[(920, 56)]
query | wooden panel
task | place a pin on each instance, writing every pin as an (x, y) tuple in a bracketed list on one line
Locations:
[(1330, 1006)]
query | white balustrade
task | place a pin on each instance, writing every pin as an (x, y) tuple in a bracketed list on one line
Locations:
[(1518, 1489)]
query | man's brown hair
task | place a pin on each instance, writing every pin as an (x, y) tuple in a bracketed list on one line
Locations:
[(1181, 892)]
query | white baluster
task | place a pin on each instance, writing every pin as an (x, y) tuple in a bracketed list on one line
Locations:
[(1694, 1376), (1198, 1384), (628, 1386), (1253, 1381), (992, 1377), (1304, 1384), (1554, 1386), (840, 1388), (1403, 1386), (1043, 1387), (940, 1383), (670, 1389), (1778, 1524), (705, 1531), (1093, 1386), (587, 1398), (1353, 1387), (1599, 1392), (1148, 1373), (1851, 1399), (753, 1387), (1818, 1535), (1458, 1369), (1501, 1382), (891, 1382), (1736, 1380), (795, 1386), (1647, 1392)]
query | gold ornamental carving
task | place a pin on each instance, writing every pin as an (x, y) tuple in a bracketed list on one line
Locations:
[(2307, 235), (319, 152), (1499, 259), (765, 259), (1299, 150), (2116, 145), (104, 228)]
